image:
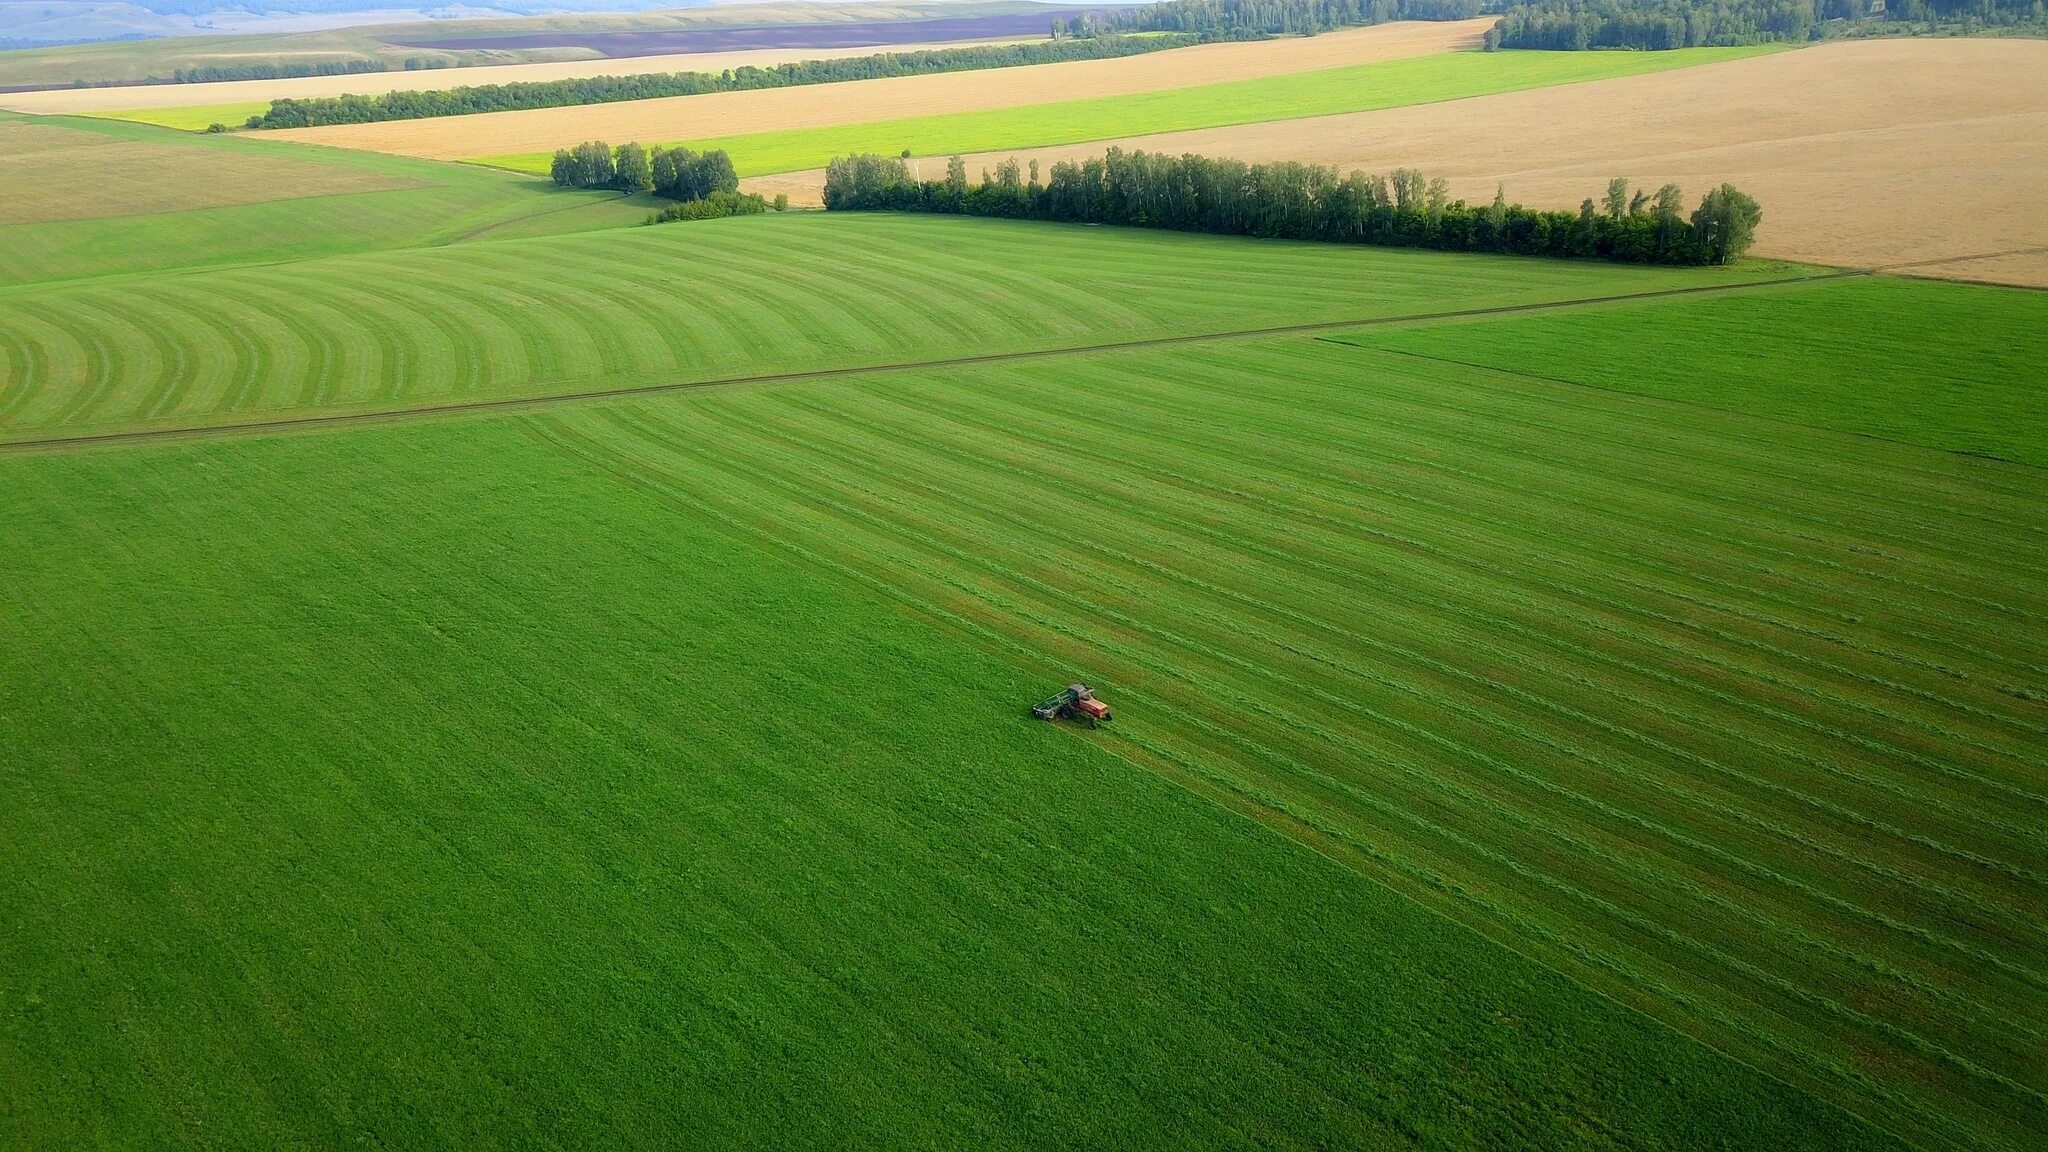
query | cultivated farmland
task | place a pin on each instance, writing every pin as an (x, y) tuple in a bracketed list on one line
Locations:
[(136, 198), (732, 113), (385, 46), (130, 102), (472, 675), (1862, 151), (1587, 672), (671, 306)]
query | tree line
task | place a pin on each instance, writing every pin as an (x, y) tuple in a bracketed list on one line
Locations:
[(1310, 202), (676, 173), (1577, 25), (1257, 19), (210, 73), (463, 101)]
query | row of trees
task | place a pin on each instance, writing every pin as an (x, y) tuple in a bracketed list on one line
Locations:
[(1577, 25), (210, 73), (1253, 19), (1310, 202), (677, 173), (304, 113), (717, 205)]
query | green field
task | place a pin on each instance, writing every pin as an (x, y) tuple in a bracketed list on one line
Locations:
[(666, 305), (1805, 359), (194, 118), (1358, 88), (1560, 705), (291, 217)]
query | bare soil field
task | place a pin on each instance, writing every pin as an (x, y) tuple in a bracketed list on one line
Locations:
[(1876, 153), (819, 105), (77, 101)]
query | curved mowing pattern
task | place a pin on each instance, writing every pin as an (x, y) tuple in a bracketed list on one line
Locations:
[(1737, 721), (686, 302)]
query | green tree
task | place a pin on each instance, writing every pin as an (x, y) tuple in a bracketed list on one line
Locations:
[(631, 171), (1725, 223), (1616, 201)]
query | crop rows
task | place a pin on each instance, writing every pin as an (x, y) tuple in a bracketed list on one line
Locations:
[(1737, 721)]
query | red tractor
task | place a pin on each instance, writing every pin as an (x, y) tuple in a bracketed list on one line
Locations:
[(1076, 703)]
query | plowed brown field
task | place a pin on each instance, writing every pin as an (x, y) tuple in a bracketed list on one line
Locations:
[(1932, 153), (733, 113)]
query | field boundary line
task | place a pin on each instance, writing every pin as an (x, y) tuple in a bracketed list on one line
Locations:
[(526, 403)]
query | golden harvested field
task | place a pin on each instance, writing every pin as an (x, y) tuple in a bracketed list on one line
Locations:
[(819, 105), (1866, 153), (73, 101)]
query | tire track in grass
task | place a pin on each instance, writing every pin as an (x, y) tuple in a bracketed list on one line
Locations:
[(933, 496), (846, 462), (1339, 527), (1627, 558), (1758, 643), (2018, 529), (1057, 493), (881, 521), (743, 481), (747, 520)]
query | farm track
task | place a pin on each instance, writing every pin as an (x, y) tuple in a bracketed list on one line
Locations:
[(394, 309), (1615, 713)]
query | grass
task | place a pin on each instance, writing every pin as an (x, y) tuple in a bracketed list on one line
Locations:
[(659, 761), (308, 216), (665, 305), (1804, 357), (1357, 88), (1596, 674), (549, 812), (192, 118)]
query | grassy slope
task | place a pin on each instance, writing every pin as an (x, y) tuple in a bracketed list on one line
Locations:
[(1358, 88), (550, 812), (1879, 357), (1598, 674), (662, 305), (462, 202)]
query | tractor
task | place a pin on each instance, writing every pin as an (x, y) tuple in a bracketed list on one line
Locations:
[(1075, 703)]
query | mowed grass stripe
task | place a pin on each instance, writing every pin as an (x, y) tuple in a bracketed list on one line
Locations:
[(660, 305), (1291, 96), (1589, 814)]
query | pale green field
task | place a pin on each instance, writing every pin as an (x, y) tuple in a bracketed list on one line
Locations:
[(1359, 88), (290, 213), (194, 118)]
